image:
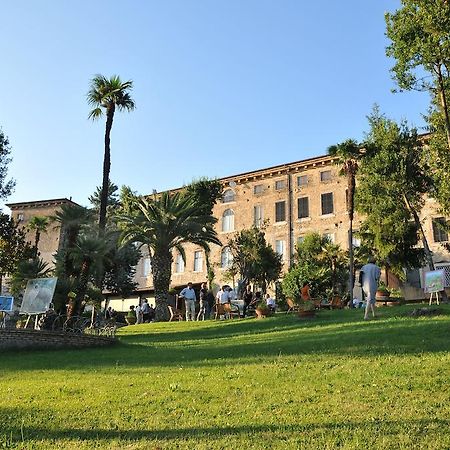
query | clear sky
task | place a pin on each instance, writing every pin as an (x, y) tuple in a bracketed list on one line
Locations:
[(221, 87)]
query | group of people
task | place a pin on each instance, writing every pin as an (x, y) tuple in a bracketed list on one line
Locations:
[(223, 296), (143, 313)]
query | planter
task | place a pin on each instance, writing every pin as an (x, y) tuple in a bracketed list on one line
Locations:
[(307, 314), (382, 296), (262, 312)]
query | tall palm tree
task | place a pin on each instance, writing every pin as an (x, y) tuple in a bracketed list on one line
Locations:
[(39, 225), (165, 223), (348, 154), (105, 95)]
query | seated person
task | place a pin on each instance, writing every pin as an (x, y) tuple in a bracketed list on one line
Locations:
[(270, 302), (130, 318)]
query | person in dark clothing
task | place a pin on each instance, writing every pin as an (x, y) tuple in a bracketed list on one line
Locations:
[(204, 306), (248, 297)]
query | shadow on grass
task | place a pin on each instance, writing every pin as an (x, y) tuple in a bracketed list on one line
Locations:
[(244, 342), (417, 428)]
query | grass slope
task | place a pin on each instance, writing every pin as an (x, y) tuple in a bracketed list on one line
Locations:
[(334, 382)]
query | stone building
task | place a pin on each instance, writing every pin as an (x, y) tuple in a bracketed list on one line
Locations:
[(49, 241), (291, 199)]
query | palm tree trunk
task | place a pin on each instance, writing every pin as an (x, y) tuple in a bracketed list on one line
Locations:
[(162, 272), (106, 169), (37, 238), (351, 208)]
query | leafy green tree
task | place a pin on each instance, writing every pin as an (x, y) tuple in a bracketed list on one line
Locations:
[(164, 223), (253, 259), (105, 96), (392, 184), (6, 187), (419, 32), (113, 197), (349, 155), (13, 246), (28, 269), (206, 193)]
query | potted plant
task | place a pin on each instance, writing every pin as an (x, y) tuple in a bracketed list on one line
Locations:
[(395, 297), (306, 309), (382, 293), (262, 310)]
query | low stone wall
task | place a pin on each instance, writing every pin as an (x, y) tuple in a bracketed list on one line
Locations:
[(12, 339)]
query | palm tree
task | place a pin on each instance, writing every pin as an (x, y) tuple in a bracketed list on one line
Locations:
[(105, 95), (165, 223), (71, 219), (39, 225), (87, 255), (348, 154)]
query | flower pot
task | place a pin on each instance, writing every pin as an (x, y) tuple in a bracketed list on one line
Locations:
[(262, 312), (382, 295)]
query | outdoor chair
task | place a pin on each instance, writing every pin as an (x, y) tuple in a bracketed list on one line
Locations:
[(175, 314), (231, 310), (292, 306), (219, 310)]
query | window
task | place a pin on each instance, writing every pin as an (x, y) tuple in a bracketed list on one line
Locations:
[(258, 189), (147, 266), (356, 241), (258, 216), (179, 264), (280, 211), (440, 233), (280, 248), (226, 258), (228, 196), (302, 180), (327, 203), (228, 220), (198, 261), (303, 207), (280, 184), (325, 175), (20, 217), (300, 239)]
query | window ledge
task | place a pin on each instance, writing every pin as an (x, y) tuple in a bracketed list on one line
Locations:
[(304, 219), (326, 216), (280, 223)]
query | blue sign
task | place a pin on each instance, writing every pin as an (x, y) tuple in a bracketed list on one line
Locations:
[(6, 303)]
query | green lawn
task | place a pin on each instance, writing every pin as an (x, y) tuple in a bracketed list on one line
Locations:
[(281, 382)]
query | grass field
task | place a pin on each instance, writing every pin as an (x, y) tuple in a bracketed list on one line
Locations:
[(332, 382)]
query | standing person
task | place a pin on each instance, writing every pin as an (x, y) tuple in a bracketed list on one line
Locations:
[(145, 311), (139, 314), (270, 302), (190, 298), (370, 276), (223, 296), (247, 297), (204, 306)]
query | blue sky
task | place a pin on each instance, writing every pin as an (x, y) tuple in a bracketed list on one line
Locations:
[(221, 87)]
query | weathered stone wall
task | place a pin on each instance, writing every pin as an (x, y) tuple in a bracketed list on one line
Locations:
[(11, 339)]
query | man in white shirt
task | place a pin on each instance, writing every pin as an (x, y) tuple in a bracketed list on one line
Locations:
[(223, 296), (370, 276), (189, 296)]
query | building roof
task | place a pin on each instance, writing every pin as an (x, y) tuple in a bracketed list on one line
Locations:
[(41, 203)]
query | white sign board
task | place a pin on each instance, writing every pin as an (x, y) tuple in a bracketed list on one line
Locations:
[(38, 295)]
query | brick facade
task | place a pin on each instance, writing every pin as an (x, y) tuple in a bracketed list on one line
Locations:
[(11, 339)]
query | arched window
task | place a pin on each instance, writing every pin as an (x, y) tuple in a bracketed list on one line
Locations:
[(228, 220), (228, 196), (226, 258)]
